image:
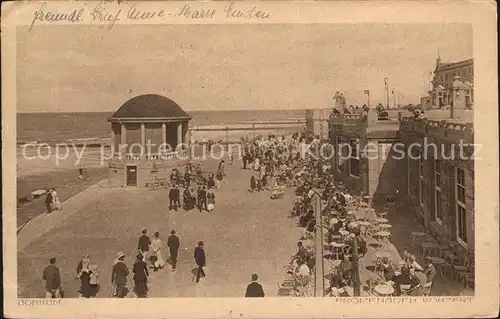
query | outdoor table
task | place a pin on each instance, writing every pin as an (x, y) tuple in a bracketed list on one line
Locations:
[(384, 235), (382, 254), (381, 220), (437, 261), (385, 226), (383, 290), (429, 248), (418, 234), (364, 223)]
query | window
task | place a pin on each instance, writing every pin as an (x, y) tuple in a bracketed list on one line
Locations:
[(438, 203), (354, 158), (421, 180), (460, 205)]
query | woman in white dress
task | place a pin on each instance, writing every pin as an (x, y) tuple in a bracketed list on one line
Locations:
[(210, 200), (55, 200), (256, 164), (156, 246)]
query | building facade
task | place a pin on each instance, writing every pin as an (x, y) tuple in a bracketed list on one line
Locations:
[(440, 177), (448, 77), (317, 122), (148, 139), (362, 162), (424, 164)]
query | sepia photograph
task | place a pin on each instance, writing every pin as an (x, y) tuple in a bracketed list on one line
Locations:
[(244, 160)]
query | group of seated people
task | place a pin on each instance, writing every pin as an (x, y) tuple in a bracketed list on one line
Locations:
[(302, 265), (404, 277), (340, 277)]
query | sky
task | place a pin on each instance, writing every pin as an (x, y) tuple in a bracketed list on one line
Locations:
[(229, 67)]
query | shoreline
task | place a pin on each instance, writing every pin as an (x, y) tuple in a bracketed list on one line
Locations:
[(198, 134), (65, 182)]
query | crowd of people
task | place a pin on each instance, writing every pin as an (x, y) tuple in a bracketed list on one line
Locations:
[(150, 256), (276, 163), (204, 197), (151, 252)]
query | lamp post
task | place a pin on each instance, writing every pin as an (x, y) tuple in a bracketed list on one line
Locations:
[(319, 274), (393, 98), (386, 82), (355, 268)]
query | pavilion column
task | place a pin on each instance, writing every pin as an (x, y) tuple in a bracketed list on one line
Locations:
[(179, 134), (143, 135), (123, 138), (185, 134), (164, 133), (113, 138)]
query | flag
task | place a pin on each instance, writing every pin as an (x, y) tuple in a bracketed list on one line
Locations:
[(367, 92)]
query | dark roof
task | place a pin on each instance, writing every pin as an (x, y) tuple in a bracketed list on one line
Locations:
[(450, 65), (150, 106)]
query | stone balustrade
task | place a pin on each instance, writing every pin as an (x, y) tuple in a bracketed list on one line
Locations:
[(164, 156)]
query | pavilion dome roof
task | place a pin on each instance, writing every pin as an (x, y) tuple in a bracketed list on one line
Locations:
[(150, 106)]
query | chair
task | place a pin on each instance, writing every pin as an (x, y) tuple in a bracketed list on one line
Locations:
[(381, 214), (379, 269), (429, 248), (465, 276), (462, 266), (442, 247), (337, 238), (284, 290), (363, 231), (416, 239), (427, 288), (445, 270), (337, 250)]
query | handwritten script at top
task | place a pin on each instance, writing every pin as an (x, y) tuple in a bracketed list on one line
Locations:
[(104, 13)]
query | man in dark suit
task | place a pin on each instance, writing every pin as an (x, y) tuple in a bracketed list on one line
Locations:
[(173, 244), (119, 275), (254, 289), (174, 195), (143, 244), (48, 201), (52, 280), (198, 198), (199, 258), (202, 199)]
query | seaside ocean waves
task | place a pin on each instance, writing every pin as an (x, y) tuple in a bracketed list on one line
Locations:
[(92, 127)]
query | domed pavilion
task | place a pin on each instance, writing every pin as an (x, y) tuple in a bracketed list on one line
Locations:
[(148, 138)]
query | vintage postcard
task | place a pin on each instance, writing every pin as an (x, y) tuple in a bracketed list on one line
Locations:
[(246, 159)]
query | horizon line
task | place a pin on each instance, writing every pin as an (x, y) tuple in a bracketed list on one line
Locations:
[(196, 110)]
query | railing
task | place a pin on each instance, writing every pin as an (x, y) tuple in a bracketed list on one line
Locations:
[(147, 157)]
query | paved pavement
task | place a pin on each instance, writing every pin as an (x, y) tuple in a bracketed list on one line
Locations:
[(246, 233)]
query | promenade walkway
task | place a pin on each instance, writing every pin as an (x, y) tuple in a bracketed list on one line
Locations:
[(246, 233)]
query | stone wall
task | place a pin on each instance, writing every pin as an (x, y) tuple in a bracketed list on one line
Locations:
[(146, 171)]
